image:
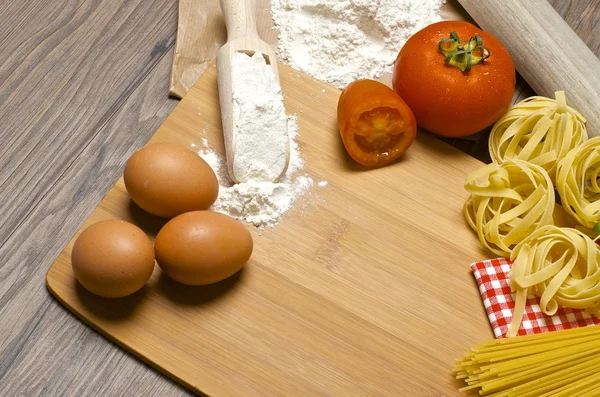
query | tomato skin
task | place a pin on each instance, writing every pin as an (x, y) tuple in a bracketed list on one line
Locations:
[(362, 105), (445, 100)]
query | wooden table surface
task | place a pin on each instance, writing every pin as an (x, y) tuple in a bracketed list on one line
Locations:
[(83, 83)]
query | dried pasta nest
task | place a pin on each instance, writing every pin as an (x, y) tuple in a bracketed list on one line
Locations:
[(508, 201), (539, 130), (559, 265), (577, 183)]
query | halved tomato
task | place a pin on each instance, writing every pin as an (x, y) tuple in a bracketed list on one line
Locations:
[(375, 124)]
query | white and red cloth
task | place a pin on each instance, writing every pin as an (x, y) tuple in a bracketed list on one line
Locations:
[(494, 286)]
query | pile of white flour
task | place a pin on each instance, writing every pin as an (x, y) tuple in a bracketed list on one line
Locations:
[(339, 41), (257, 202), (259, 119), (264, 132)]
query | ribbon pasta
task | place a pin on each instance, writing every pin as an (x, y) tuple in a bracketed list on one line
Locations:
[(577, 183), (539, 130), (559, 265), (515, 199)]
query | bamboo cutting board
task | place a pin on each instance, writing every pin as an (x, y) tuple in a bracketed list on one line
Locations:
[(363, 289)]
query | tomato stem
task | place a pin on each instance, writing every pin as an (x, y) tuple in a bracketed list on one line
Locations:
[(463, 56)]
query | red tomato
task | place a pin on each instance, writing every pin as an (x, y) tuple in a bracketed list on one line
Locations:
[(375, 124), (449, 95)]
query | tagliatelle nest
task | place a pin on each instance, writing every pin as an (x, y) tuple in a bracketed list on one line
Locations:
[(577, 183), (508, 202), (559, 265), (539, 130)]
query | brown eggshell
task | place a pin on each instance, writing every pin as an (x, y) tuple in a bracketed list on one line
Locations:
[(167, 180), (202, 247), (112, 258)]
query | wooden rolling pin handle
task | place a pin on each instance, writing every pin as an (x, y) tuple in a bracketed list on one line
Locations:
[(547, 52), (240, 18)]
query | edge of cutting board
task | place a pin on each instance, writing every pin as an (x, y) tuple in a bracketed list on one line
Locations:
[(125, 346)]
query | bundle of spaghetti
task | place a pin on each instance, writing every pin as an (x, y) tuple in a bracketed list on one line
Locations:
[(562, 363), (577, 183), (508, 201), (539, 130), (561, 266)]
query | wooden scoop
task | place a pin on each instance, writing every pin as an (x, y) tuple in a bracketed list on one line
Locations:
[(240, 19)]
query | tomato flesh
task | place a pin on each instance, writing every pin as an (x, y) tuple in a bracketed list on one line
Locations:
[(375, 124), (378, 130)]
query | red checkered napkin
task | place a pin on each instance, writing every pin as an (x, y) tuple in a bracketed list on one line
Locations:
[(494, 285)]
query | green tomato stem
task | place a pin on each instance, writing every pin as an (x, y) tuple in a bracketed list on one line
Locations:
[(463, 56)]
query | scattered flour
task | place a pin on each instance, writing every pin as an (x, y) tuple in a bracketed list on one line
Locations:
[(259, 119), (214, 160), (257, 202), (339, 41)]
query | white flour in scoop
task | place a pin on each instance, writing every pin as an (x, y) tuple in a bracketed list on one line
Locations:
[(257, 202), (339, 41), (263, 131), (259, 119)]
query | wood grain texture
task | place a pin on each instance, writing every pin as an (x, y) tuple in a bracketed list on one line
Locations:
[(75, 102), (331, 303), (108, 57), (45, 351), (40, 142)]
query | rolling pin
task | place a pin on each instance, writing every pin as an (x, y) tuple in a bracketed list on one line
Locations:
[(547, 52)]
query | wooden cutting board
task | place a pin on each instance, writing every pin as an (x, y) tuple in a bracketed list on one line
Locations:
[(363, 289)]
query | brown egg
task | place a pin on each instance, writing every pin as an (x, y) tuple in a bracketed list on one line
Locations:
[(202, 247), (167, 180), (112, 258)]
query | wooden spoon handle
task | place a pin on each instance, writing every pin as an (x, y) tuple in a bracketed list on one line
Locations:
[(547, 52), (240, 18)]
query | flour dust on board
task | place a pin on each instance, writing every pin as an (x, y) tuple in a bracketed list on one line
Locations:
[(259, 117), (257, 202)]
